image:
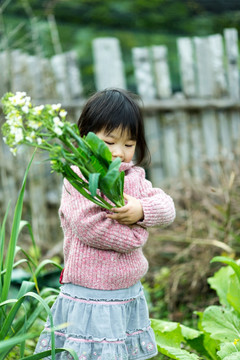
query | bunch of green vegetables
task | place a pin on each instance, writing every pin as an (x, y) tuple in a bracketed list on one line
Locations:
[(45, 127)]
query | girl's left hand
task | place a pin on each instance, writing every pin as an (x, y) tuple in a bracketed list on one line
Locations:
[(128, 214)]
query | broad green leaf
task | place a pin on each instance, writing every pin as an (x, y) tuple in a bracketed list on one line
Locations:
[(93, 183), (233, 295), (229, 262), (220, 283), (99, 148), (177, 353), (205, 346), (230, 350), (189, 333), (222, 324), (210, 345), (169, 338)]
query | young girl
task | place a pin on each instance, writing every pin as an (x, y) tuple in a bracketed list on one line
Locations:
[(102, 299)]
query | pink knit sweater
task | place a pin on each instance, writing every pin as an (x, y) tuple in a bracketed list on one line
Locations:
[(100, 253)]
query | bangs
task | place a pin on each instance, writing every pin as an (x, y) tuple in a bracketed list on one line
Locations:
[(122, 117)]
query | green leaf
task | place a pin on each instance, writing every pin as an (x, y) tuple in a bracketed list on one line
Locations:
[(220, 283), (222, 324), (26, 286), (229, 262), (93, 183), (233, 295), (169, 339), (14, 236), (99, 148), (229, 351)]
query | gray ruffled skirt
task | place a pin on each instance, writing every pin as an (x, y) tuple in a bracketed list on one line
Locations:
[(101, 324)]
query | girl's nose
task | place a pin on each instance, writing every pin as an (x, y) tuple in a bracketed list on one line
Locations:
[(117, 152)]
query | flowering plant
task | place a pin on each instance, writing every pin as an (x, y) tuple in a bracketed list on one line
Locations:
[(45, 127)]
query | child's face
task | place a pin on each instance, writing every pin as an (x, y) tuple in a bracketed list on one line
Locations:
[(119, 143)]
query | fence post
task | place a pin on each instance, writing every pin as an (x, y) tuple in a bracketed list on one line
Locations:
[(231, 41), (147, 91), (187, 122), (205, 76), (187, 67), (59, 68), (108, 65), (161, 71)]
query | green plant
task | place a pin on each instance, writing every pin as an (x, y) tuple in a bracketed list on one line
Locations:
[(18, 315), (45, 127), (218, 336)]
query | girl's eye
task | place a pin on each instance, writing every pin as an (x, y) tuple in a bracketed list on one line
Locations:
[(108, 143), (129, 146)]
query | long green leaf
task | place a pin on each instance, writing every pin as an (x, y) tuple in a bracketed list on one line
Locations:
[(2, 243), (14, 236), (93, 183)]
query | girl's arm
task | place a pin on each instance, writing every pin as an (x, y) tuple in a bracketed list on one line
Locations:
[(90, 224), (149, 207)]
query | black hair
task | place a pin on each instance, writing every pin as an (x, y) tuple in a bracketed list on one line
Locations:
[(111, 109)]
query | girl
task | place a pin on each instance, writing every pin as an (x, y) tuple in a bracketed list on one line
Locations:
[(101, 298)]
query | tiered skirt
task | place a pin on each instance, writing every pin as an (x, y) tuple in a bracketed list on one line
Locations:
[(100, 325)]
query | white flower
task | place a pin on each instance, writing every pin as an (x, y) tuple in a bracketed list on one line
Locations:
[(20, 99), (13, 151), (56, 106), (57, 121), (31, 137), (38, 109), (39, 141), (62, 113), (18, 134), (58, 130), (34, 124), (25, 109)]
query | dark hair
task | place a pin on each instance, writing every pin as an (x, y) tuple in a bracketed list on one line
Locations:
[(112, 109)]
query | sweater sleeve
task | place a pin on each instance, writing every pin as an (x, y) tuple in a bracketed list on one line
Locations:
[(158, 207), (88, 222)]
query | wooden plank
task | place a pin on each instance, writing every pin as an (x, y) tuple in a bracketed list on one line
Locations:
[(231, 41), (108, 64), (59, 68), (196, 154), (147, 91), (35, 75), (217, 65), (19, 81), (183, 143), (203, 67), (144, 73), (208, 85), (74, 75), (161, 71), (170, 141), (49, 83), (187, 67)]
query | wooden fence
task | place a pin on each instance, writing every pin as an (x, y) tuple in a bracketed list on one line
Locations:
[(187, 132)]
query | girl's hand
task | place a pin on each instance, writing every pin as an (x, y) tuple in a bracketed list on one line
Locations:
[(128, 214)]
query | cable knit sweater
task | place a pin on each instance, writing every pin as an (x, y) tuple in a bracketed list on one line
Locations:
[(99, 252)]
